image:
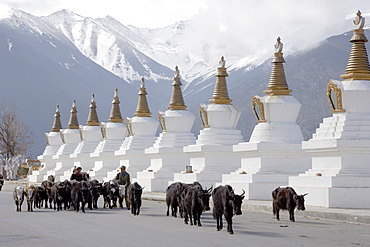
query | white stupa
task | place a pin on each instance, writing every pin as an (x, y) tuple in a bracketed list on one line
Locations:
[(91, 137), (340, 148), (274, 151), (54, 140), (114, 133), (142, 130), (211, 155), (71, 137), (166, 155)]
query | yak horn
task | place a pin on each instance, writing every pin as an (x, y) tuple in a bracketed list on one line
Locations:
[(242, 193), (210, 189), (305, 194)]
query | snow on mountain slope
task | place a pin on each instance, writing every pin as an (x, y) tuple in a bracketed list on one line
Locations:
[(109, 44), (186, 45)]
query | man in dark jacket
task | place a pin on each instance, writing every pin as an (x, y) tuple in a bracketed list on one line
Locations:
[(123, 177)]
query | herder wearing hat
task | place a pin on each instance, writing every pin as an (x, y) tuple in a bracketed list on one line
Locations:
[(123, 177)]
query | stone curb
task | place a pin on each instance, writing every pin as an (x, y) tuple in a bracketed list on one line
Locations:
[(315, 213)]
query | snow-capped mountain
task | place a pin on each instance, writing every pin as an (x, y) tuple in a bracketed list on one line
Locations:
[(109, 44), (40, 68)]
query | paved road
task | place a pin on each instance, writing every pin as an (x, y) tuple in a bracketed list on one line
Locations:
[(117, 227)]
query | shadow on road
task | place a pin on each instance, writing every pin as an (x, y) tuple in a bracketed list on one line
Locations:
[(261, 234)]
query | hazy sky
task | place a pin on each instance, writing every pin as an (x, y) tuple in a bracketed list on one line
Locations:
[(159, 13), (140, 13)]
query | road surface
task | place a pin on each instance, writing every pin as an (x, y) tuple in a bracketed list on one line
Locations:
[(118, 227)]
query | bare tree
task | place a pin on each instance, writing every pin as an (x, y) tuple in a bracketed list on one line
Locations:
[(15, 136), (11, 166)]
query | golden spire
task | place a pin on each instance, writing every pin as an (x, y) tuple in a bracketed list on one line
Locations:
[(277, 84), (73, 122), (358, 63), (57, 125), (177, 101), (220, 93), (115, 113), (142, 109), (92, 119)]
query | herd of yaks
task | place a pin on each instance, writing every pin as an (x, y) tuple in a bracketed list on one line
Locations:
[(189, 200), (64, 194)]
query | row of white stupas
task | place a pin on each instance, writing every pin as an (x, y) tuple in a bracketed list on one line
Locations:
[(333, 166)]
